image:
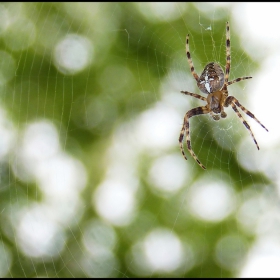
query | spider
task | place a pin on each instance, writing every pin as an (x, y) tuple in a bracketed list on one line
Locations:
[(213, 82)]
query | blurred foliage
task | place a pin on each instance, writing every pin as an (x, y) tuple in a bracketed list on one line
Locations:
[(132, 54)]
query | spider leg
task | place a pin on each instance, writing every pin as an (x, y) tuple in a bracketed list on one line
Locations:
[(238, 80), (236, 102), (194, 95), (227, 53), (230, 101), (190, 59), (186, 126)]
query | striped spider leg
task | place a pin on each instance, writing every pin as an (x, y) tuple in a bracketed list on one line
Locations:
[(233, 102), (213, 82), (186, 126)]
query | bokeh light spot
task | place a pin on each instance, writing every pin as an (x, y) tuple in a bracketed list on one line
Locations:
[(40, 141), (73, 54), (38, 235), (211, 200), (115, 202), (164, 11), (156, 128), (168, 173), (163, 250), (263, 259)]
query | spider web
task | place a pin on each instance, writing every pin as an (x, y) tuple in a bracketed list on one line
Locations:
[(93, 183)]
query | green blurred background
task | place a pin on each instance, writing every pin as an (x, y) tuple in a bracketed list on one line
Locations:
[(93, 183)]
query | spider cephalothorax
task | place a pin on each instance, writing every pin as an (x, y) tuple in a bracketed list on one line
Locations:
[(213, 82)]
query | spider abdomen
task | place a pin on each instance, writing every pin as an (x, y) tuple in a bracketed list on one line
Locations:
[(212, 78)]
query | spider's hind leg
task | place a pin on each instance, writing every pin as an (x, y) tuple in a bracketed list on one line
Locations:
[(233, 101), (236, 102)]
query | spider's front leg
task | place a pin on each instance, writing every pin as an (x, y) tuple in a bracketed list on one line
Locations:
[(186, 126), (190, 59)]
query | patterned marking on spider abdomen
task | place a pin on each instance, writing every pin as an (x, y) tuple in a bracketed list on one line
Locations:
[(211, 79)]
